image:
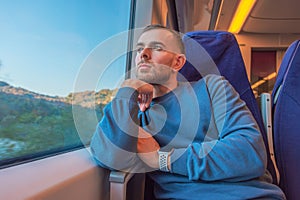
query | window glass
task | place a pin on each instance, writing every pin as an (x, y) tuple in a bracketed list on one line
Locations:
[(42, 47), (263, 71)]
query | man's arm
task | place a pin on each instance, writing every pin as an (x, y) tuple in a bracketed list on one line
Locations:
[(232, 151), (236, 152), (144, 90), (114, 142)]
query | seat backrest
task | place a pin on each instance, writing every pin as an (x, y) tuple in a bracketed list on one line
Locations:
[(217, 52), (286, 113)]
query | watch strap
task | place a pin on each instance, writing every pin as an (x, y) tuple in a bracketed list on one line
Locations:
[(163, 160)]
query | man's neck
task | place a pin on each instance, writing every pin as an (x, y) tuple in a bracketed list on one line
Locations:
[(160, 90)]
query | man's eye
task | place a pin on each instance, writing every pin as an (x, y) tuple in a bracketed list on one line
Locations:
[(157, 48), (139, 49)]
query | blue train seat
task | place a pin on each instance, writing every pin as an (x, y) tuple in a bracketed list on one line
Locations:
[(217, 52), (286, 113)]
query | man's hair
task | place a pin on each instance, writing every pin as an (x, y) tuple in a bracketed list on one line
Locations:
[(176, 35)]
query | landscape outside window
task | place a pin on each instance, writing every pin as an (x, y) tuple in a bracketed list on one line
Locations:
[(43, 44)]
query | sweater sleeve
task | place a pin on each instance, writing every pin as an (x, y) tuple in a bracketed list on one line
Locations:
[(237, 151), (113, 144)]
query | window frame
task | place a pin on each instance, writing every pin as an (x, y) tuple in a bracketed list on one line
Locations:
[(7, 163)]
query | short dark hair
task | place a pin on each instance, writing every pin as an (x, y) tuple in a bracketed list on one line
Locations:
[(176, 35)]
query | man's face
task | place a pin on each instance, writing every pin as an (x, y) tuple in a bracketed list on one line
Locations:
[(156, 56)]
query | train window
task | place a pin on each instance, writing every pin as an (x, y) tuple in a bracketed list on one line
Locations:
[(43, 45), (263, 71), (185, 17)]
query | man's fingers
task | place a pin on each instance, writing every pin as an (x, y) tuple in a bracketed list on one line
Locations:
[(144, 101)]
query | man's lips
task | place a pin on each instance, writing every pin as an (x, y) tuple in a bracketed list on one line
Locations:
[(144, 66)]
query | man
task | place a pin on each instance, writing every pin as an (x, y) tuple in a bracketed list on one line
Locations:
[(194, 140)]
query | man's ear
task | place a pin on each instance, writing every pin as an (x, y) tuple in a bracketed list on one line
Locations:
[(179, 61)]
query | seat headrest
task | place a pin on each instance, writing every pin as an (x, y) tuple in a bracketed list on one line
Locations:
[(213, 52), (291, 58)]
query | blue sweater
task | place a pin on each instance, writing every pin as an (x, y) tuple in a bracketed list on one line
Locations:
[(218, 149)]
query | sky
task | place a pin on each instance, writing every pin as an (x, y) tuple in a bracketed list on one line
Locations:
[(44, 44)]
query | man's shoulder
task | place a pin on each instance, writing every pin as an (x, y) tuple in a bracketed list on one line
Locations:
[(213, 78), (210, 80), (212, 84)]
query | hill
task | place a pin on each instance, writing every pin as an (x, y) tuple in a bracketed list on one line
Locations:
[(32, 122)]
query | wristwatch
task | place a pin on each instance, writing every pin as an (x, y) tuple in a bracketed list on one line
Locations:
[(163, 160)]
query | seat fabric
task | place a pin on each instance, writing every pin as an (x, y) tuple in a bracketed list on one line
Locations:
[(218, 52), (286, 113)]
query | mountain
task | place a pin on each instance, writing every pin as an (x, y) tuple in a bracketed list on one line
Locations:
[(31, 123), (3, 84), (85, 99), (90, 98)]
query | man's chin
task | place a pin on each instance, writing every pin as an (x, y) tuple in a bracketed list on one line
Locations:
[(151, 82), (145, 78), (149, 79)]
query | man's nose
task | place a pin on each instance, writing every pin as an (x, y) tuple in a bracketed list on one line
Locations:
[(146, 53)]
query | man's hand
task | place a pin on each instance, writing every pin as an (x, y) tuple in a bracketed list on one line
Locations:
[(147, 148), (144, 89)]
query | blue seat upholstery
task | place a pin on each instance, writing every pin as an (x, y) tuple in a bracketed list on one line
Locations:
[(286, 112), (217, 52)]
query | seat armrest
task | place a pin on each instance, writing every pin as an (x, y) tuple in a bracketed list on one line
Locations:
[(120, 182), (120, 177), (266, 111)]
